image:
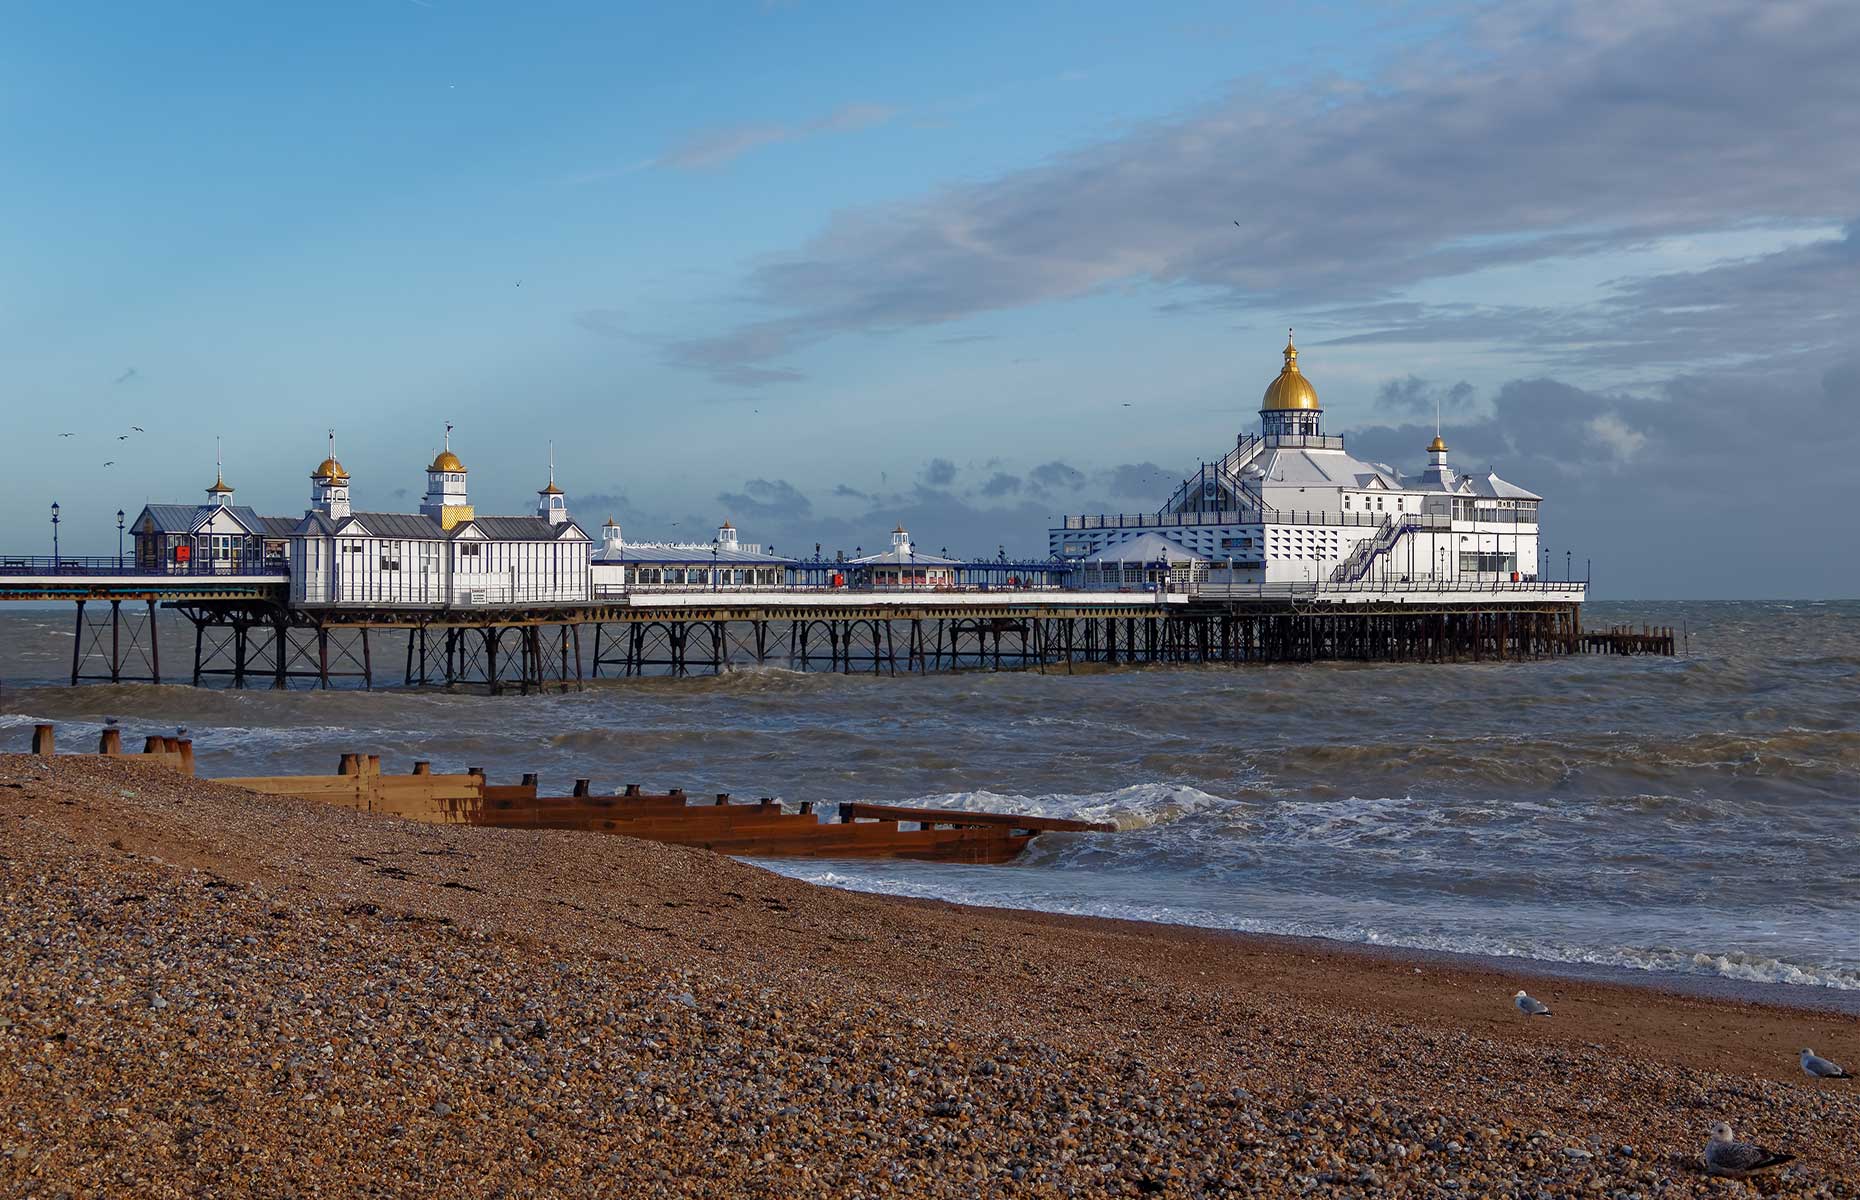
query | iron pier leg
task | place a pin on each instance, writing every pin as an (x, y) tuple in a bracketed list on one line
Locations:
[(77, 643)]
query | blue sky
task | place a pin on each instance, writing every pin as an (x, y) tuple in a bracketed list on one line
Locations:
[(822, 267)]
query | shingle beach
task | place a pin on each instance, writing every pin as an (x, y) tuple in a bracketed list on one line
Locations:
[(208, 992)]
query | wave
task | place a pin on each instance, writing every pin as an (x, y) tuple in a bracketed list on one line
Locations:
[(1735, 965)]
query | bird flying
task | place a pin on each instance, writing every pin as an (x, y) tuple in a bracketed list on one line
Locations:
[(67, 435), (1820, 1068), (111, 463), (126, 376), (138, 429), (122, 437), (1530, 1007), (1725, 1155)]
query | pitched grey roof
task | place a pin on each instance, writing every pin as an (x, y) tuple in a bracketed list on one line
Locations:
[(169, 518), (181, 518), (524, 529), (314, 521), (411, 526)]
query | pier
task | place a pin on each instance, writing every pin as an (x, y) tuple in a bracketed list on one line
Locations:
[(247, 634)]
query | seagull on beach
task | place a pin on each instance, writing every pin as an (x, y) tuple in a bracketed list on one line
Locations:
[(1725, 1155), (1530, 1007), (1820, 1068)]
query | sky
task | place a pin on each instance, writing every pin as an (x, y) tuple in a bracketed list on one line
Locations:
[(820, 268)]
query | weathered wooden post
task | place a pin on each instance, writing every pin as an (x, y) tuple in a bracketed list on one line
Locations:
[(632, 789), (723, 797), (422, 767), (350, 765), (186, 747), (110, 741), (42, 740), (582, 787)]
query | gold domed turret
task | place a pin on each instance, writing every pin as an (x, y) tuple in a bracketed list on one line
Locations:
[(1291, 390), (445, 460), (1436, 446), (219, 485), (551, 490), (329, 468)]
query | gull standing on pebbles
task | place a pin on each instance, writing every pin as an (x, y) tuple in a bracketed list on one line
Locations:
[(1725, 1155), (1820, 1068), (1530, 1007)]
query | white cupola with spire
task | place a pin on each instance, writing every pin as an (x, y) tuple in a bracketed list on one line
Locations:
[(1438, 474), (901, 539), (551, 504), (329, 486), (446, 501), (611, 539), (726, 536)]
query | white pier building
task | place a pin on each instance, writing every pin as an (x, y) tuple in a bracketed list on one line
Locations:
[(1291, 505), (620, 566), (444, 556)]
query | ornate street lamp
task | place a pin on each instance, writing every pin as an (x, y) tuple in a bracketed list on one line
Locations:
[(54, 535), (119, 541)]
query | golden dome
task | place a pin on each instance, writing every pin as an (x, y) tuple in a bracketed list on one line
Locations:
[(329, 469), (446, 461), (1436, 446), (551, 490), (1291, 390), (219, 485)]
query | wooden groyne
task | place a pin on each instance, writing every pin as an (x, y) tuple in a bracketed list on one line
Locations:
[(755, 829)]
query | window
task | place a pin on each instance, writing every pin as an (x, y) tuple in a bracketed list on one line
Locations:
[(1473, 562), (470, 550), (390, 556)]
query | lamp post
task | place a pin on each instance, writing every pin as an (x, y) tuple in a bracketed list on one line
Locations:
[(54, 535), (713, 564), (1568, 566), (119, 541)]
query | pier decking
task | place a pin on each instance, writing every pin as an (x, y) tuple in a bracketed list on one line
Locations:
[(247, 634)]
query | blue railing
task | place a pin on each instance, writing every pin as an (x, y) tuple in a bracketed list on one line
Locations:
[(101, 564)]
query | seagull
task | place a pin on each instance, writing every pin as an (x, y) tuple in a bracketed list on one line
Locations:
[(122, 437), (111, 463), (138, 429), (1530, 1007), (67, 435), (110, 721), (1821, 1068), (1725, 1155)]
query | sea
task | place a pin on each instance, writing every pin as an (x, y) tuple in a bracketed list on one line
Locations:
[(1687, 817)]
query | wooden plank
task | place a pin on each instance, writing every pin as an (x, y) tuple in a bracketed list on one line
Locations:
[(854, 810)]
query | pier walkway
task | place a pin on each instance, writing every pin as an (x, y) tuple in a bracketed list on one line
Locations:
[(248, 634)]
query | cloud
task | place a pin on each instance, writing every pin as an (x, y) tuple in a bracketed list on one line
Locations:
[(1612, 433), (1144, 479), (1659, 486), (1416, 397), (607, 322), (1056, 476), (1579, 131), (709, 149), (1001, 484), (765, 498), (940, 472)]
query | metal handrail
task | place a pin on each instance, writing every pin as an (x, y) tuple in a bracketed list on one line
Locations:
[(99, 564), (1210, 589)]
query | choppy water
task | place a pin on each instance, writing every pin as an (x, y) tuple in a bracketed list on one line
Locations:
[(1697, 815)]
